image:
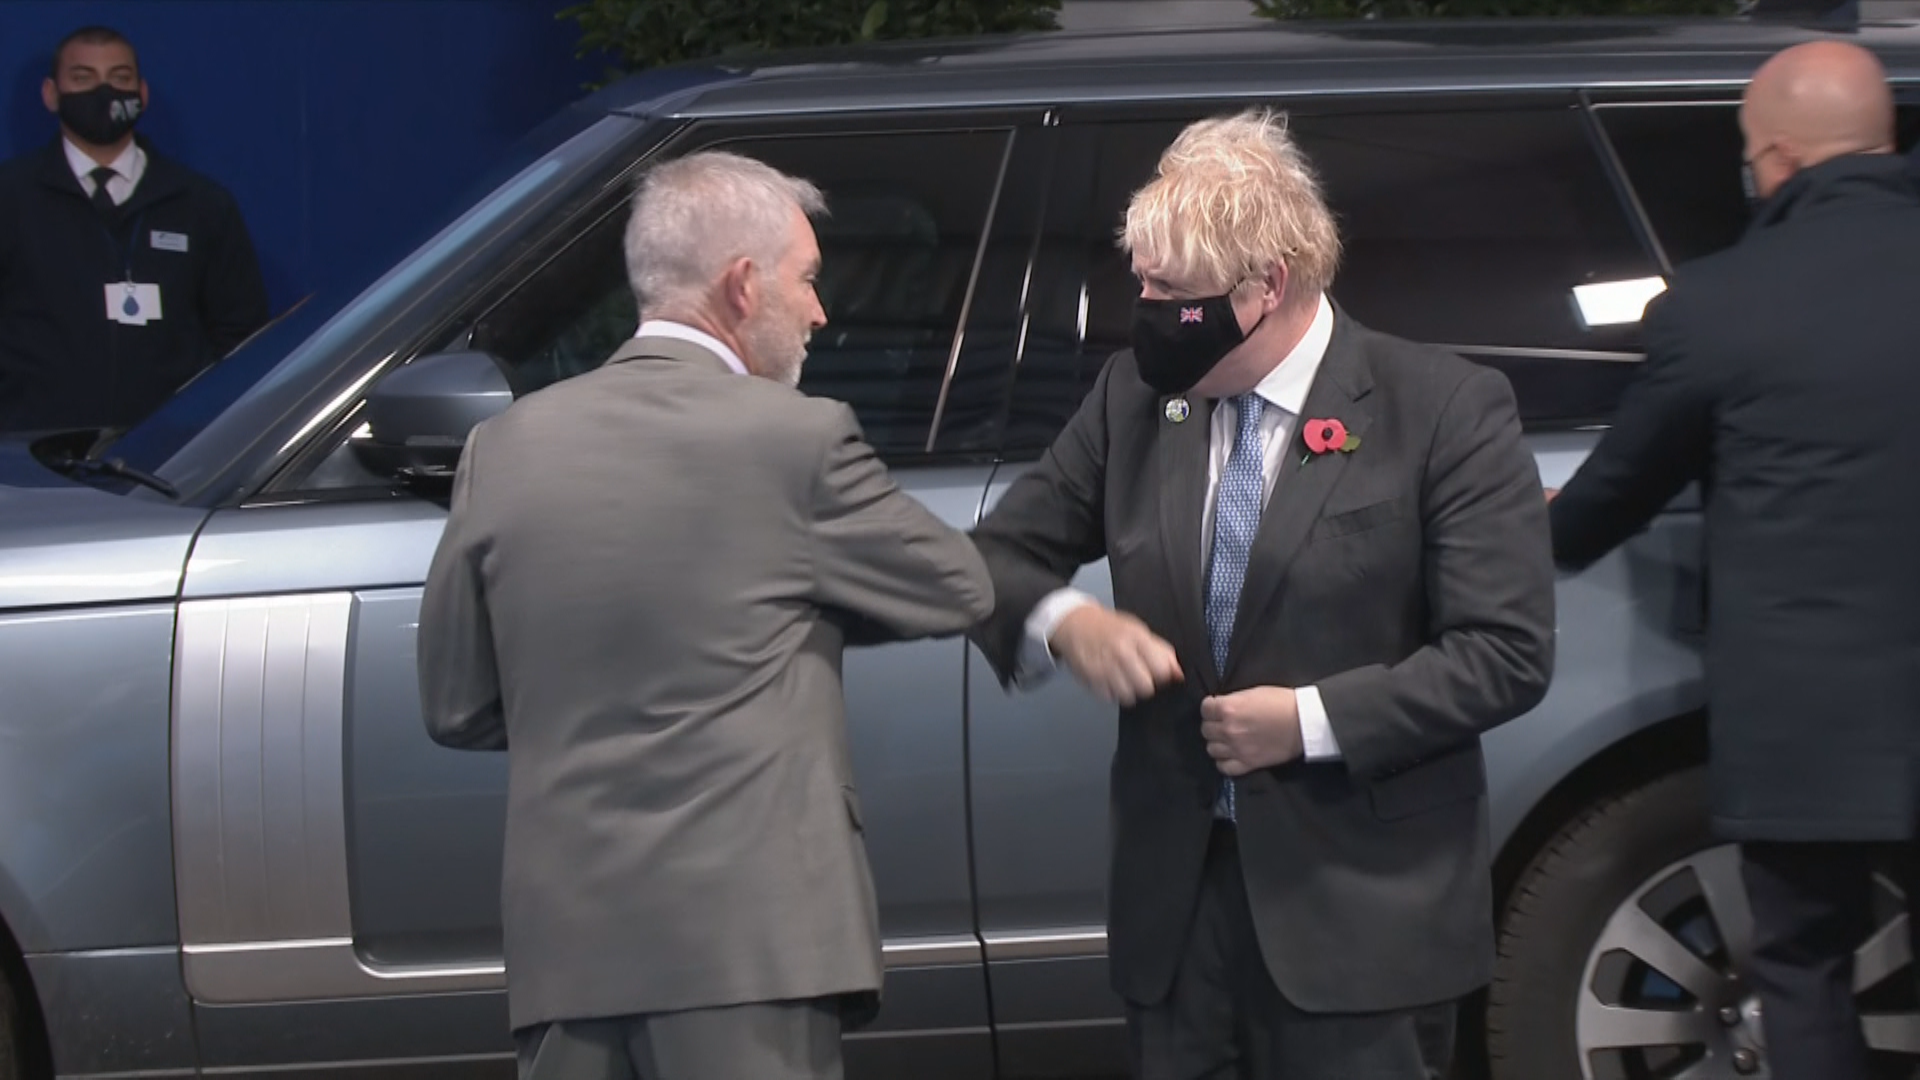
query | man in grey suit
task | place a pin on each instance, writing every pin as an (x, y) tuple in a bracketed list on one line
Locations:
[(642, 594), (1329, 554)]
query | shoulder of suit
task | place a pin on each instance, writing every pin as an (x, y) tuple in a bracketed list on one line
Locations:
[(1396, 361), (777, 408), (1122, 376)]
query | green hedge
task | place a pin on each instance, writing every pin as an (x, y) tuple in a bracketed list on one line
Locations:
[(640, 34), (643, 33)]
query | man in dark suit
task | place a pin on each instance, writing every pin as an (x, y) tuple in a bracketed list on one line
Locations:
[(1781, 374), (1330, 559)]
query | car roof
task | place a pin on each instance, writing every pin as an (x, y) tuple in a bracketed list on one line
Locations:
[(1259, 58)]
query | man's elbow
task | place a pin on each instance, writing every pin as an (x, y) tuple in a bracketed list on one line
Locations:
[(1529, 675), (978, 603), (973, 590)]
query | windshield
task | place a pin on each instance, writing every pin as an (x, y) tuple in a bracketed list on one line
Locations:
[(153, 441)]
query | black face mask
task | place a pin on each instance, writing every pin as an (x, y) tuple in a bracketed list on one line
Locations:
[(102, 115), (1176, 342)]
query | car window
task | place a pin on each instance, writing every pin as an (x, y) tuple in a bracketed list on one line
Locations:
[(1683, 159), (1474, 228), (905, 212), (897, 251), (1470, 229), (1684, 164)]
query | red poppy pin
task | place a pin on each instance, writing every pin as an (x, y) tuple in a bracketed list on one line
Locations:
[(1326, 436)]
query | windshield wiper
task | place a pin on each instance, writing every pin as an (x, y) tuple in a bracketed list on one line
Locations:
[(69, 465)]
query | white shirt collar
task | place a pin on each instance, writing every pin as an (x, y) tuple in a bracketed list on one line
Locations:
[(1286, 386), (131, 164), (668, 329)]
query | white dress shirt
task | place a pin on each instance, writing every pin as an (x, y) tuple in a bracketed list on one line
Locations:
[(1285, 392), (128, 168), (669, 329)]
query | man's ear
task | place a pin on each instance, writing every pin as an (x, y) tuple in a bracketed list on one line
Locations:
[(1276, 291), (740, 288), (50, 95)]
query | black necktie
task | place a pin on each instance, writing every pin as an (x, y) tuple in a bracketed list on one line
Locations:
[(102, 201)]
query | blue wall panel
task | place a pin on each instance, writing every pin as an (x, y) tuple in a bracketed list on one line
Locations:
[(341, 126)]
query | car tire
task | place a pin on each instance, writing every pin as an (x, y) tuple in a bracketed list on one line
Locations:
[(1621, 945)]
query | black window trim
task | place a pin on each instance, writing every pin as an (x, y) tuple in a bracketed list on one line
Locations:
[(958, 343), (1623, 188)]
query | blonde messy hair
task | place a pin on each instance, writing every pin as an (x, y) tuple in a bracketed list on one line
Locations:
[(1233, 197)]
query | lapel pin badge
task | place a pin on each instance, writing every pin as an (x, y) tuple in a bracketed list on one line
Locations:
[(1177, 410)]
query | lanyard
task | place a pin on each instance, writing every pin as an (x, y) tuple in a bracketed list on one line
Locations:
[(123, 253), (129, 304)]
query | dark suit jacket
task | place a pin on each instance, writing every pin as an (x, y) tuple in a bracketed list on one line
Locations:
[(62, 363), (1410, 580), (1783, 372)]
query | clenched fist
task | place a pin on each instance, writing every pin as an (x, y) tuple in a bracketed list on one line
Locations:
[(1251, 729), (1114, 655)]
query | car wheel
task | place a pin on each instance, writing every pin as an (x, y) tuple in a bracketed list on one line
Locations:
[(1621, 953)]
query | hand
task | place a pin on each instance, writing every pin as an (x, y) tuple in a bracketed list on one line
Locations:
[(1251, 729), (1551, 492), (1114, 654)]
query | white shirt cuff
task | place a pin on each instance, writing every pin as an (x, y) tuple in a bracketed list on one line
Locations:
[(1316, 731), (1036, 660)]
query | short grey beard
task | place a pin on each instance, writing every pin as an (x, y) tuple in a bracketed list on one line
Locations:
[(759, 338)]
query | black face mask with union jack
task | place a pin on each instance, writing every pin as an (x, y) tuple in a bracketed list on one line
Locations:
[(1176, 342)]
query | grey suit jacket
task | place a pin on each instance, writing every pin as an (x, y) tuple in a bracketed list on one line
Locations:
[(641, 595), (1410, 580)]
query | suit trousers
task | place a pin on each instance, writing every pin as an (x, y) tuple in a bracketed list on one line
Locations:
[(779, 1040), (1224, 1018), (1812, 908)]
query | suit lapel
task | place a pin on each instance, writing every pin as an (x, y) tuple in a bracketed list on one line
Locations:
[(1182, 488), (1339, 392)]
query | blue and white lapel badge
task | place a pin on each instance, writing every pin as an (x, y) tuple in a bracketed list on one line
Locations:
[(1177, 410)]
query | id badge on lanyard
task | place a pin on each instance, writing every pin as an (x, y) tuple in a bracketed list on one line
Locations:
[(129, 302)]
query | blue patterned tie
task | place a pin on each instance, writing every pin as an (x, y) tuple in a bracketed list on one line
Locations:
[(1236, 517)]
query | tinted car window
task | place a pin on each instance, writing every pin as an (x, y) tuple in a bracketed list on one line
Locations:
[(1082, 289), (1683, 160), (1684, 164), (1467, 229), (1473, 228), (897, 252)]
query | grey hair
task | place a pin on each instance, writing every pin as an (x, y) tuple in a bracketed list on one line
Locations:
[(695, 215)]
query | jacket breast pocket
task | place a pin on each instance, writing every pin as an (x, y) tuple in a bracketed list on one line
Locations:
[(1459, 776), (1359, 519)]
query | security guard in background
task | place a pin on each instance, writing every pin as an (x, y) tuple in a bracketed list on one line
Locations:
[(123, 274)]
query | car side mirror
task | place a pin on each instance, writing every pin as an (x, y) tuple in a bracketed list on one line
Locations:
[(418, 416)]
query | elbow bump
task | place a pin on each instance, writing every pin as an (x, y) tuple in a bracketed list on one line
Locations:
[(977, 604)]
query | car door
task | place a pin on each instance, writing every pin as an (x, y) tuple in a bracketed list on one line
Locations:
[(1479, 225), (342, 871)]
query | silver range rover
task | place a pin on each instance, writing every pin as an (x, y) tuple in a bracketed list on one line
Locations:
[(228, 848)]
